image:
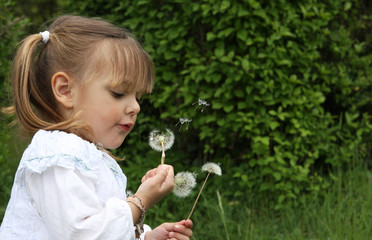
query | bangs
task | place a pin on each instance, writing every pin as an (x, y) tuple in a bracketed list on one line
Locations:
[(125, 65)]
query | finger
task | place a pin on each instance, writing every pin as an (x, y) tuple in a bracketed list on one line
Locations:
[(169, 180), (157, 181), (188, 223), (181, 229), (177, 231), (163, 167), (144, 178), (178, 236), (161, 173), (149, 174)]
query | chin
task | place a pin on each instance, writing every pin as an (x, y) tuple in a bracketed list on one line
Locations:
[(114, 145)]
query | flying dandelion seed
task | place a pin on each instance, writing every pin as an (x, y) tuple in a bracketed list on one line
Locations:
[(161, 141), (184, 121), (184, 182), (201, 103), (210, 168)]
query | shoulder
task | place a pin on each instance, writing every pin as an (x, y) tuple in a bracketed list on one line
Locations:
[(54, 142), (57, 148)]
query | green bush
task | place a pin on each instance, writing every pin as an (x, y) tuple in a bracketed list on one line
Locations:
[(11, 30), (288, 85)]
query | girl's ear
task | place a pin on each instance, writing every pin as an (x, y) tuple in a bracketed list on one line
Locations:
[(62, 89)]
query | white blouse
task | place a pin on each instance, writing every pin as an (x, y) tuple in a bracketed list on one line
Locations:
[(65, 188)]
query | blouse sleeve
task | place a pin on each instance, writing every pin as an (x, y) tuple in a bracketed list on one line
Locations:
[(67, 203)]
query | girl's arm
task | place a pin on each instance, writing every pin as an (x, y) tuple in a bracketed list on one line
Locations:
[(67, 203)]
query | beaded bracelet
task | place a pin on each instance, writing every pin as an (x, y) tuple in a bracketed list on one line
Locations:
[(141, 206)]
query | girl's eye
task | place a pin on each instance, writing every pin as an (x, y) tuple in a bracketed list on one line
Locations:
[(117, 95)]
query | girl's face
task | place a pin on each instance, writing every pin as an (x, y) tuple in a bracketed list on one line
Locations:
[(111, 113)]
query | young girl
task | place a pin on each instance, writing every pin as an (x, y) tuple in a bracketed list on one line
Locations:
[(76, 87)]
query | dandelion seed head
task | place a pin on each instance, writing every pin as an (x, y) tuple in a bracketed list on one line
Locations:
[(158, 138), (212, 168), (184, 182), (161, 139)]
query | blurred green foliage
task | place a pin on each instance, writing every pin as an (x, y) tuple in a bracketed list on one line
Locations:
[(288, 83), (11, 29)]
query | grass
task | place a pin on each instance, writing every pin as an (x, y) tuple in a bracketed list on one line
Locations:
[(344, 212)]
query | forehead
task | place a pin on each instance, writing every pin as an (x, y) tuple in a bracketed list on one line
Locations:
[(123, 64)]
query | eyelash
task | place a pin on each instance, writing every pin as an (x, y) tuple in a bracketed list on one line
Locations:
[(117, 95), (120, 95)]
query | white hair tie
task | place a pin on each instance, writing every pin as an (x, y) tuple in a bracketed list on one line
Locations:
[(45, 36)]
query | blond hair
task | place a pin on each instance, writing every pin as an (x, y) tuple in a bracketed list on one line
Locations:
[(83, 48)]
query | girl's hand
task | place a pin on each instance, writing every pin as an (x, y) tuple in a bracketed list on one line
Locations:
[(171, 231), (156, 184)]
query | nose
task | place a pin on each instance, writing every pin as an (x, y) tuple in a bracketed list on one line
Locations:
[(132, 107)]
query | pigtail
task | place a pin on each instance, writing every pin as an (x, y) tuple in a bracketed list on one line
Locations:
[(30, 82), (23, 82)]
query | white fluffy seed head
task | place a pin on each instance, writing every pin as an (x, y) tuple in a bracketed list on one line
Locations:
[(184, 182), (212, 168), (157, 138)]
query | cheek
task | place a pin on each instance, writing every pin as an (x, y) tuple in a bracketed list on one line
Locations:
[(111, 113)]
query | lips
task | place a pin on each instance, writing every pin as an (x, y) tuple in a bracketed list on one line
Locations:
[(126, 127)]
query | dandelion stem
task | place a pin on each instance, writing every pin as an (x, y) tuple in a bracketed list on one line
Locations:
[(162, 153), (197, 198)]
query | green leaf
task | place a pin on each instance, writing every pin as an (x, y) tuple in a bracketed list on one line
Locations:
[(228, 108), (347, 6), (272, 112), (217, 105), (226, 32), (274, 125), (242, 34), (219, 52), (242, 12), (263, 140), (225, 5), (210, 36), (245, 64), (219, 92), (239, 93), (242, 105), (277, 176)]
